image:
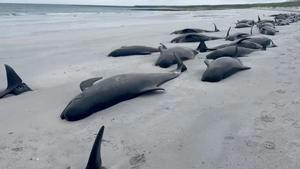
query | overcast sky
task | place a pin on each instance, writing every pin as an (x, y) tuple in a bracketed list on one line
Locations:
[(141, 2)]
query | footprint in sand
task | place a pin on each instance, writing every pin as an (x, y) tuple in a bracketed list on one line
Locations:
[(17, 149), (251, 143), (137, 160), (296, 124), (269, 145), (291, 68), (296, 102), (280, 91), (267, 118)]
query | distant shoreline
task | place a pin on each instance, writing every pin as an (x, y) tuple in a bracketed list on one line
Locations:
[(175, 8), (219, 7)]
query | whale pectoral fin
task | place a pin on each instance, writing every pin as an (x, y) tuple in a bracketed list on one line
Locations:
[(145, 53), (88, 83), (148, 90), (95, 161), (163, 46), (245, 68)]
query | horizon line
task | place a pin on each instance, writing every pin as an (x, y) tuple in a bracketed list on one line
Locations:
[(147, 5)]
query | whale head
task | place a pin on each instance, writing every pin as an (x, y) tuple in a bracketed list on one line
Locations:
[(77, 109)]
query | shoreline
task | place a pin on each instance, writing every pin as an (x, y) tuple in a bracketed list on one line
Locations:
[(191, 125)]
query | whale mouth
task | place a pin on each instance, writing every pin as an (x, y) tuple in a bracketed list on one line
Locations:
[(62, 116)]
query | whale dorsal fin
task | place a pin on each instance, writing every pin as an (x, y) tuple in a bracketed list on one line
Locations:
[(14, 83), (216, 28), (227, 35), (95, 161), (163, 46), (88, 83), (202, 47), (13, 78)]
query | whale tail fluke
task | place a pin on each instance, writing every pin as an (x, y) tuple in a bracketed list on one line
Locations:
[(95, 161), (14, 83)]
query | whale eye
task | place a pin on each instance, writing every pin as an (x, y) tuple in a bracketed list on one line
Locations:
[(20, 87)]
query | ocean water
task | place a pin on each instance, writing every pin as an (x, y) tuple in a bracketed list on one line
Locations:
[(26, 20), (12, 9), (33, 19)]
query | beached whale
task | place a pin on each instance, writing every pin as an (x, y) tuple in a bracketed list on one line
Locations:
[(248, 21), (262, 24), (167, 58), (259, 20), (241, 43), (15, 84), (230, 51), (237, 35), (193, 37), (265, 42), (268, 30), (133, 50), (195, 30), (222, 68), (243, 25), (114, 90)]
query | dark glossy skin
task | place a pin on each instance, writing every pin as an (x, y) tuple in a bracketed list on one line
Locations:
[(114, 90), (133, 50), (222, 68), (267, 30), (95, 161), (260, 25), (250, 22), (237, 35), (193, 38), (230, 51), (195, 30), (243, 25), (167, 59), (264, 41), (242, 43), (15, 84)]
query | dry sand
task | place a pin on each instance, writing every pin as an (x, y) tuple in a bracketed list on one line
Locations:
[(248, 121)]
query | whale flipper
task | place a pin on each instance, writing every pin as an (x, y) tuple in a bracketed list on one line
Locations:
[(15, 84), (149, 90), (181, 67), (88, 83), (95, 161)]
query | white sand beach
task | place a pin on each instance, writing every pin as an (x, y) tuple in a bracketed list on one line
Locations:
[(250, 120)]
